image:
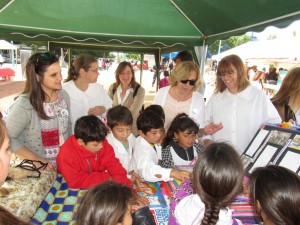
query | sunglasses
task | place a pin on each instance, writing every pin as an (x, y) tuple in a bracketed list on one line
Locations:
[(191, 82)]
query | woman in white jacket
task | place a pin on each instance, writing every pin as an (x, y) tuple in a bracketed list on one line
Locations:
[(182, 96)]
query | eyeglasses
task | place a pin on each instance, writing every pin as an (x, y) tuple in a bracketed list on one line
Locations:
[(229, 74), (191, 82), (27, 164)]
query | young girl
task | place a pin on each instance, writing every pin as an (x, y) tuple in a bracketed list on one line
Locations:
[(217, 180), (106, 204), (275, 193), (179, 146), (38, 122), (87, 96)]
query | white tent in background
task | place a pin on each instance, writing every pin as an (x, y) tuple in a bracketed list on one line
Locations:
[(278, 50), (4, 45)]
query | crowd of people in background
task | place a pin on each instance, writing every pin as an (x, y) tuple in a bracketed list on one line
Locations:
[(108, 142)]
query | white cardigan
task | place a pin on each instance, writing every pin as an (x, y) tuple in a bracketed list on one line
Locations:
[(197, 107)]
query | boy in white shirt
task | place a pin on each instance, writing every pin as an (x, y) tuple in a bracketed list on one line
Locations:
[(147, 150), (119, 121)]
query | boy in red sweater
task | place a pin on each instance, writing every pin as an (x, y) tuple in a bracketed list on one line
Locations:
[(87, 159)]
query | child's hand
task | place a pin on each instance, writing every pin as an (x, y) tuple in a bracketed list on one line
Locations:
[(180, 174), (140, 200)]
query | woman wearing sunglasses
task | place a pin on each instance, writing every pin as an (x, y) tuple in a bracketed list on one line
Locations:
[(38, 122), (239, 106), (181, 96)]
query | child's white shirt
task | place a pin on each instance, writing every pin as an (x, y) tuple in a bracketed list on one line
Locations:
[(125, 157), (190, 211), (146, 161)]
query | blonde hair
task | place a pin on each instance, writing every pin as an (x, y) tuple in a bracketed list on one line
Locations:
[(183, 72), (289, 90), (225, 66)]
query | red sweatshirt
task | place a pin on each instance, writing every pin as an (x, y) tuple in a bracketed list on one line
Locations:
[(84, 169)]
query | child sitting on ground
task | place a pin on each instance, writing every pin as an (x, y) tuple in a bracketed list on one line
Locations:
[(179, 146), (275, 194), (108, 203), (217, 180), (87, 159), (147, 150)]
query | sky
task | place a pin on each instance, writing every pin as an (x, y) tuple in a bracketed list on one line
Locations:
[(284, 33)]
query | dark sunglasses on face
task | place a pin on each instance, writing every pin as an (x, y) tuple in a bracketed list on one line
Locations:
[(191, 82)]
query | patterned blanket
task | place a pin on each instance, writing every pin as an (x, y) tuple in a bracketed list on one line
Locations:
[(61, 204)]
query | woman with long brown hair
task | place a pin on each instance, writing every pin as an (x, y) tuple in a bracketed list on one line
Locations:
[(38, 122), (287, 99), (127, 92)]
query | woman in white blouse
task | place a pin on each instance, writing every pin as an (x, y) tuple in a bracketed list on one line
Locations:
[(86, 95), (239, 106)]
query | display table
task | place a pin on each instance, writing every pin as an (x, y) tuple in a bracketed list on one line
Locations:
[(60, 204), (22, 197)]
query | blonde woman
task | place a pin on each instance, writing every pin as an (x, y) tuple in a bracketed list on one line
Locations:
[(182, 95), (287, 99)]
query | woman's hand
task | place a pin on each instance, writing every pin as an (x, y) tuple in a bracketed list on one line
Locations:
[(97, 110), (212, 128)]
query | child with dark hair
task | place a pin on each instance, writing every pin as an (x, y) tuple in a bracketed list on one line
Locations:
[(147, 150), (158, 109), (217, 180), (179, 146), (119, 121), (87, 159), (108, 203), (275, 193)]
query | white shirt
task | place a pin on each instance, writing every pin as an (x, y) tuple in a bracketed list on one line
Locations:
[(190, 211), (179, 161), (82, 101), (241, 114), (197, 107), (121, 153), (146, 160), (119, 91)]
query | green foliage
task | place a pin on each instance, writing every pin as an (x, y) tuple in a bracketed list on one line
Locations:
[(231, 42), (133, 56), (272, 37)]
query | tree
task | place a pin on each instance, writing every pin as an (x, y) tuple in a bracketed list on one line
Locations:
[(231, 42), (133, 56)]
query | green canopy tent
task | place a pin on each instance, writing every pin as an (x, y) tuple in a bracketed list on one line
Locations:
[(140, 26)]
